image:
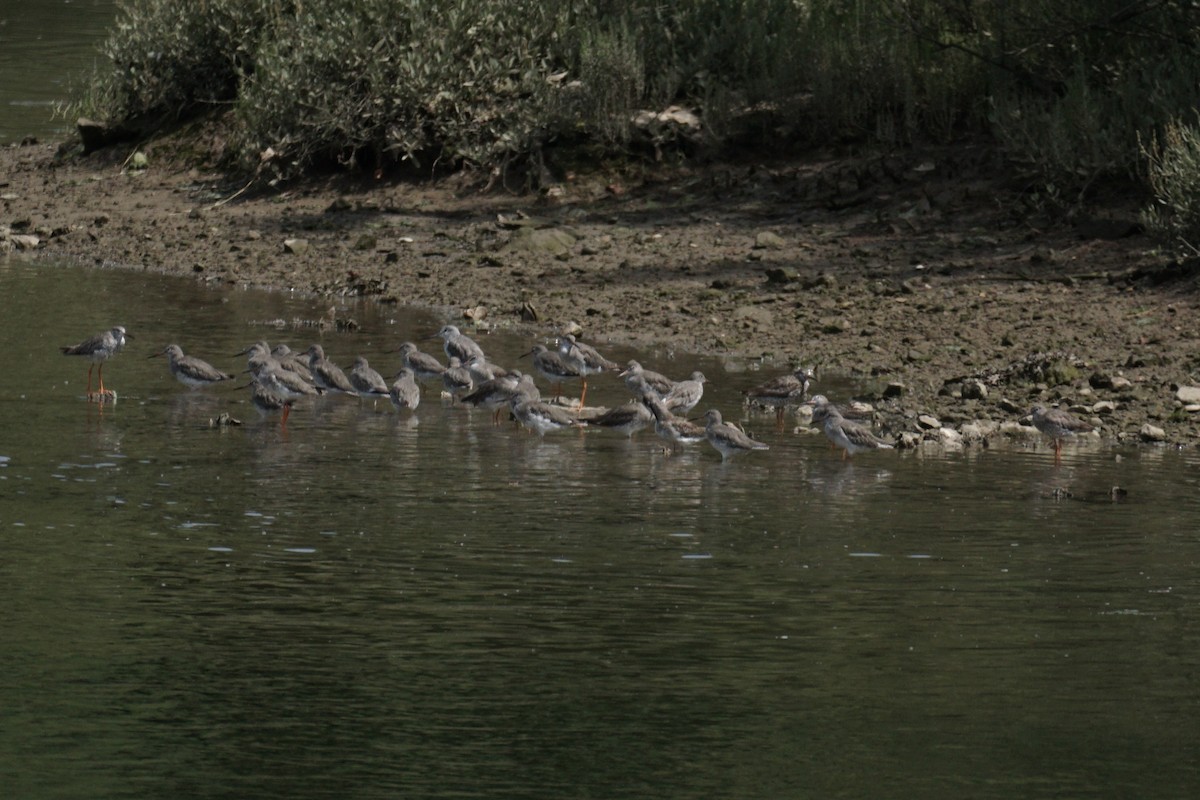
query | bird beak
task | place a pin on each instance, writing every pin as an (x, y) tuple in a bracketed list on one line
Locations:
[(156, 355)]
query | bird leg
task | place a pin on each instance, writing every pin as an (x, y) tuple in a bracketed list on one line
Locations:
[(583, 395), (102, 393), (287, 409), (779, 418), (89, 389)]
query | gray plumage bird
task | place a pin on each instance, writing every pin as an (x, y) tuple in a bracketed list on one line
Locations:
[(291, 361), (405, 392), (457, 344), (192, 372), (782, 391), (326, 374), (424, 366), (850, 436), (497, 393), (99, 349), (1058, 425), (675, 430), (728, 439), (365, 380), (635, 372), (552, 366), (685, 395), (456, 379), (627, 418), (585, 359)]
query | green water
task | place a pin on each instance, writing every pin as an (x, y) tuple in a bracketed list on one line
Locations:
[(47, 47), (367, 605)]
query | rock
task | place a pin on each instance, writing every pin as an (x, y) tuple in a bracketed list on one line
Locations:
[(974, 390), (475, 313), (1185, 394), (1099, 380), (893, 390), (295, 246), (769, 241), (782, 275), (1121, 384), (25, 241), (834, 324), (1152, 433), (1016, 430), (978, 431), (674, 124), (915, 356), (756, 315), (909, 440), (823, 281), (366, 241), (1060, 372), (138, 161), (1104, 407), (547, 241), (950, 438), (928, 422), (1008, 406), (1192, 408)]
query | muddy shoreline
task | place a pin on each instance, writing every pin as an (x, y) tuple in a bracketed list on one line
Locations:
[(928, 278)]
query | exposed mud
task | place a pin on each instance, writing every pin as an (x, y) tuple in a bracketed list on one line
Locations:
[(930, 277)]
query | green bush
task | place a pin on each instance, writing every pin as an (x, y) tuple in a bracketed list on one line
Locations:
[(1067, 87), (169, 60), (1174, 177)]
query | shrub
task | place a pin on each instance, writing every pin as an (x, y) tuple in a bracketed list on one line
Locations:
[(1174, 177), (1066, 86), (167, 60)]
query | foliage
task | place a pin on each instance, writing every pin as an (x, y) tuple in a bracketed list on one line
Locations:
[(1174, 177), (1067, 87)]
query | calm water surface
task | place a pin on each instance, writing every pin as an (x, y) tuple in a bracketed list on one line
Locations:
[(376, 606), (46, 49)]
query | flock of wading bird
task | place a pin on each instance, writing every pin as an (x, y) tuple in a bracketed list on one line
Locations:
[(280, 377)]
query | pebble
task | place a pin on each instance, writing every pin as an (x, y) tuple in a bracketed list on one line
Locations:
[(950, 438), (974, 390), (1152, 433), (978, 431), (1009, 406), (1188, 394), (929, 422)]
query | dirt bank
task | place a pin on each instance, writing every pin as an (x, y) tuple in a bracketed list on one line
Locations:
[(931, 272)]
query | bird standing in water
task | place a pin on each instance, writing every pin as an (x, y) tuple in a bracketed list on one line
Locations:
[(1058, 425), (98, 349), (192, 372)]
